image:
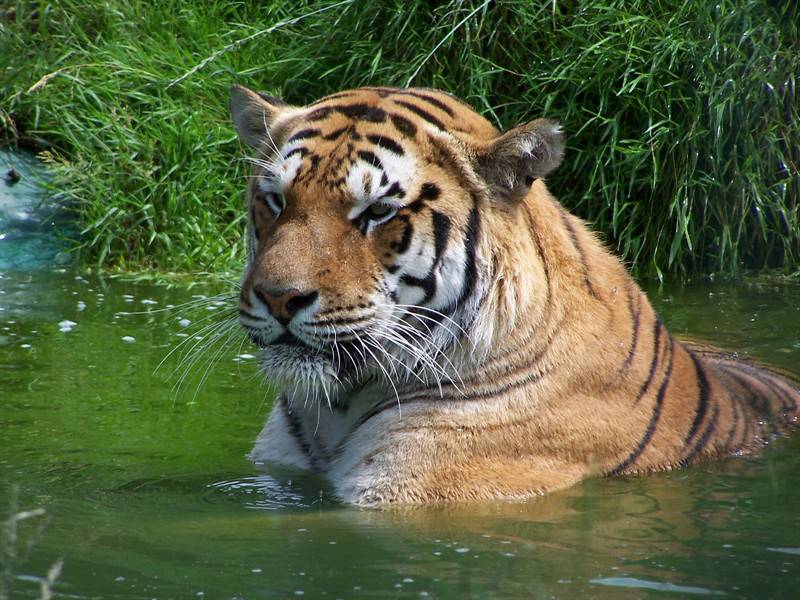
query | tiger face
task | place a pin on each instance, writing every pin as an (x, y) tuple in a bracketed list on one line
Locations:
[(366, 210)]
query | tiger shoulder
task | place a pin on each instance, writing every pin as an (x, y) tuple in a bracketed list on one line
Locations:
[(442, 329)]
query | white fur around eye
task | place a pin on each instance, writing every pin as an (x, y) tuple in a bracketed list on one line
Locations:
[(368, 183)]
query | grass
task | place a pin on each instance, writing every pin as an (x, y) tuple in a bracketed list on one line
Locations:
[(683, 116)]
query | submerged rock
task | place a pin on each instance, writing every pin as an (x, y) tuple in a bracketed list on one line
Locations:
[(12, 176)]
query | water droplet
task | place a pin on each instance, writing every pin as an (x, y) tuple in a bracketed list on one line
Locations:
[(66, 325)]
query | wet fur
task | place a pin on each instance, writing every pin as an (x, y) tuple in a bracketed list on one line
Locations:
[(553, 364)]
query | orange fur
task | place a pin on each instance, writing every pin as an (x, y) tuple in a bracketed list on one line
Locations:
[(565, 370)]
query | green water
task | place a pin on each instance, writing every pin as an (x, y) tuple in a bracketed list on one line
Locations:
[(150, 495)]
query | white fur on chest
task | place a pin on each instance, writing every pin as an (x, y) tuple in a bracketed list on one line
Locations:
[(314, 436)]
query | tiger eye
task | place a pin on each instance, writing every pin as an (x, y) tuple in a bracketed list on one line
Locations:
[(379, 210)]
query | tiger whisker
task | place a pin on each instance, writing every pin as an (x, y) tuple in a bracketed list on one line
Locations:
[(191, 337), (435, 312), (419, 353), (185, 306), (383, 369), (201, 355), (215, 332), (408, 369), (429, 343), (215, 359)]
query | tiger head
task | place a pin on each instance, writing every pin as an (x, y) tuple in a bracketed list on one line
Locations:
[(370, 214)]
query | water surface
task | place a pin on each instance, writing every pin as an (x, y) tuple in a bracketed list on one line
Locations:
[(150, 494)]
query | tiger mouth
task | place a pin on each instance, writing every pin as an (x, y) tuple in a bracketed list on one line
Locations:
[(287, 338)]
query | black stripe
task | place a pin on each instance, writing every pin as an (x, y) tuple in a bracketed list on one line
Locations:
[(658, 325), (422, 113), (636, 313), (296, 431), (318, 114), (774, 383), (363, 112), (425, 397), (573, 234), (747, 395), (395, 190), (403, 125), (513, 379), (756, 398), (470, 276), (746, 433), (487, 393), (735, 426), (703, 441), (402, 246), (386, 143), (702, 398), (470, 248), (303, 134), (441, 233), (434, 101), (336, 133), (299, 150), (428, 283), (428, 191), (369, 157), (656, 415), (734, 404)]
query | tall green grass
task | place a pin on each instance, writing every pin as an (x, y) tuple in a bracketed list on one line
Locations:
[(683, 116)]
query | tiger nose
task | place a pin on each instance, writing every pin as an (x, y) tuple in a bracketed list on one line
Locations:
[(284, 304)]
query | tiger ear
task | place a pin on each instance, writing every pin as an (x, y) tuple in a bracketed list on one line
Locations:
[(254, 113), (518, 157)]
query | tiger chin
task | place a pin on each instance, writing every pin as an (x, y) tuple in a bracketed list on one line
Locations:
[(443, 330)]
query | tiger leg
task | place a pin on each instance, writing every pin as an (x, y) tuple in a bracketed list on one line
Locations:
[(386, 479)]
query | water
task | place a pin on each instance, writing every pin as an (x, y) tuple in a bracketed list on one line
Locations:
[(150, 495), (28, 238)]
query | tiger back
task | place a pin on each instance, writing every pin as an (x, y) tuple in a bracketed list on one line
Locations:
[(442, 329)]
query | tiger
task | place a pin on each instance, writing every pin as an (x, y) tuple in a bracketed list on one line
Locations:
[(441, 329)]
